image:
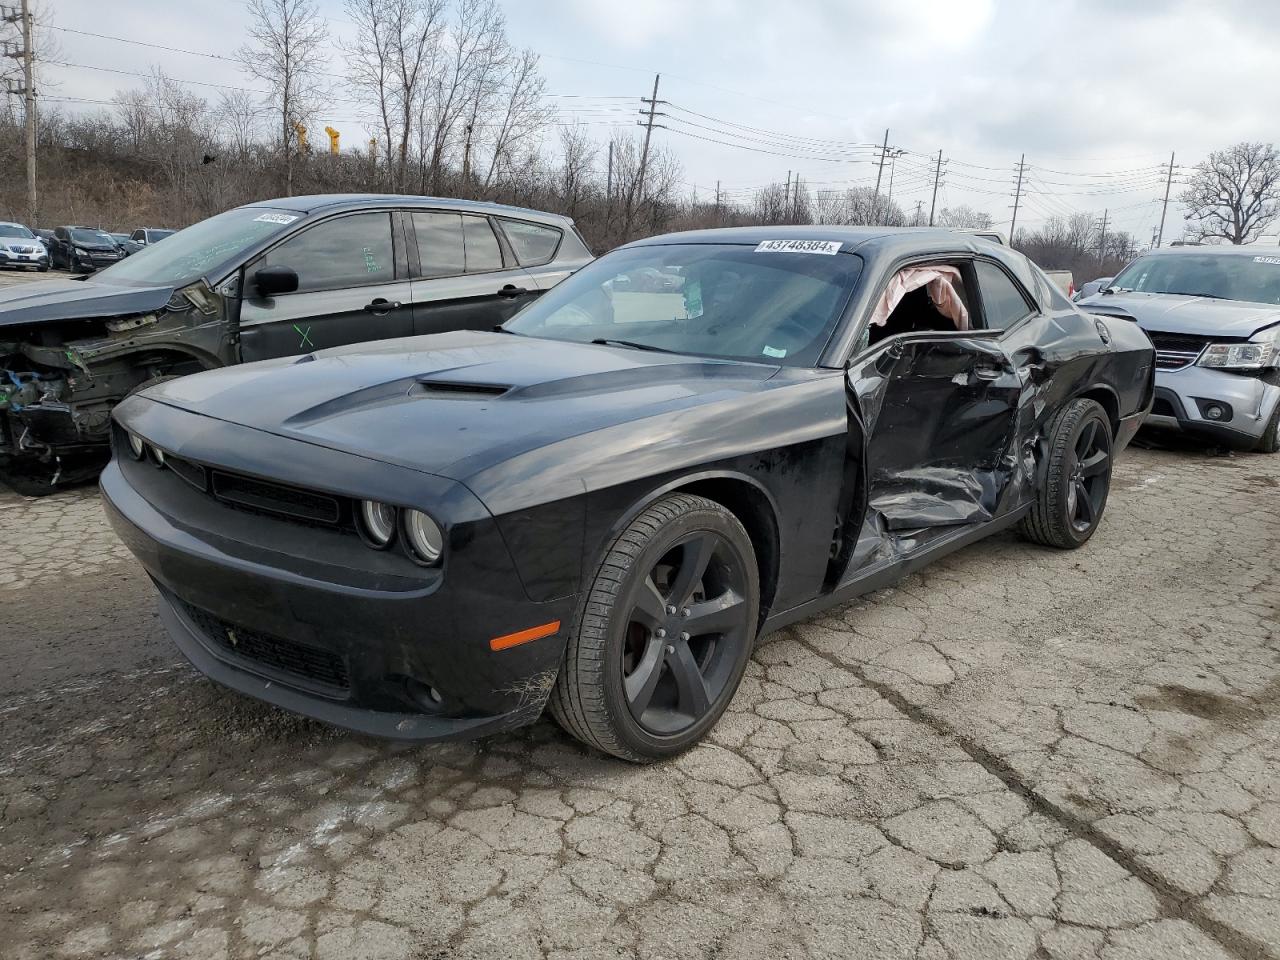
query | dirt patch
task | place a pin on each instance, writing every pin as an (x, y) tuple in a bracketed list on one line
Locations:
[(1204, 704)]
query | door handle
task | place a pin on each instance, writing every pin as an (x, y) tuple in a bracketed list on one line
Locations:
[(986, 371), (511, 290), (380, 306)]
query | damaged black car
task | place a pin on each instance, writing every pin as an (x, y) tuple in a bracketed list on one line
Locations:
[(599, 508), (277, 278)]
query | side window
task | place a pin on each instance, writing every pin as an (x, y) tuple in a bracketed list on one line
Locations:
[(483, 252), (346, 252), (1002, 301), (440, 244), (533, 243)]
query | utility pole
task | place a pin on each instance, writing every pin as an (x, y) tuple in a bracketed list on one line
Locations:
[(786, 196), (22, 15), (880, 172), (466, 159), (1017, 198), (608, 182), (1168, 185), (919, 212), (1102, 240), (893, 166), (717, 201), (644, 157), (937, 175)]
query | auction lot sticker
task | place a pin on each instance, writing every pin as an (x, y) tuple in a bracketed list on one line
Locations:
[(828, 247)]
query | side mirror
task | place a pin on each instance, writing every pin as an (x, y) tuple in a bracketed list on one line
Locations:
[(271, 281)]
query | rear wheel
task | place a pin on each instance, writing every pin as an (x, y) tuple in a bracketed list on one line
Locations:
[(1077, 480), (665, 634)]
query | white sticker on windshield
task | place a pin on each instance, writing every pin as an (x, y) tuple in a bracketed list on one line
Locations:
[(281, 218), (776, 352), (827, 247), (1266, 259)]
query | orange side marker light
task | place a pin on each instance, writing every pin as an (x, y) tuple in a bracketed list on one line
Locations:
[(524, 636)]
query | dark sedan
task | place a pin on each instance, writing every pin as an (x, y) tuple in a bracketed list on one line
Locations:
[(84, 249), (602, 505)]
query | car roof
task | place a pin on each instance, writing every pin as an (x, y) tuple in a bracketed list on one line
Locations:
[(883, 240), (323, 202), (12, 223), (1213, 249)]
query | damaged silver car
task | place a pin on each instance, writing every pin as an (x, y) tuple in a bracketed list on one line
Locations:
[(272, 279)]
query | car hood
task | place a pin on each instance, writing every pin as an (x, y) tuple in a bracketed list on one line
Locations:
[(46, 300), (1175, 313), (454, 404)]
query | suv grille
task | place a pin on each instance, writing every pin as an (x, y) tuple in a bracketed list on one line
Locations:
[(1176, 350), (319, 668)]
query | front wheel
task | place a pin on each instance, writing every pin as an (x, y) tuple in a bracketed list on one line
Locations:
[(1069, 506), (665, 633), (1270, 440)]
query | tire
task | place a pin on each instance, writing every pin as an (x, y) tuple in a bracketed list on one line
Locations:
[(1070, 504), (633, 684), (1270, 440)]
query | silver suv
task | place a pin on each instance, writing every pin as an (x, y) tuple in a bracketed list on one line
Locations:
[(1213, 314)]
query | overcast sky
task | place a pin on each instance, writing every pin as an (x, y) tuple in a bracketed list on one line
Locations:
[(1097, 93)]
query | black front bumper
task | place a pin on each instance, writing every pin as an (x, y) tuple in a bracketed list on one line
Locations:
[(312, 620)]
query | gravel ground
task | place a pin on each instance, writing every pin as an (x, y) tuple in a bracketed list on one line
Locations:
[(1018, 753)]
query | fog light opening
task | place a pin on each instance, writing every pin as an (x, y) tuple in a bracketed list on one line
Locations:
[(1214, 412), (427, 697)]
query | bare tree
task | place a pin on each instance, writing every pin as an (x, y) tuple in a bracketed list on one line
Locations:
[(524, 110), (239, 116), (390, 64), (963, 217), (1235, 193), (287, 39), (473, 39), (576, 166)]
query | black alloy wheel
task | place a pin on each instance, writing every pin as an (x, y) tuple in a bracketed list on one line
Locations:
[(1077, 477), (665, 635), (1090, 476)]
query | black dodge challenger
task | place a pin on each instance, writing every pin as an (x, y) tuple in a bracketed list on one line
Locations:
[(600, 505)]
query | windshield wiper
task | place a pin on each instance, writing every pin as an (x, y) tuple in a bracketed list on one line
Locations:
[(606, 342), (1189, 293)]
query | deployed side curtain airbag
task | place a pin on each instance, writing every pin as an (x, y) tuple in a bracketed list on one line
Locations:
[(940, 282)]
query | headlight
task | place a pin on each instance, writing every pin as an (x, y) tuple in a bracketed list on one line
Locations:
[(1258, 354), (425, 538), (157, 455), (136, 446), (377, 522), (81, 252)]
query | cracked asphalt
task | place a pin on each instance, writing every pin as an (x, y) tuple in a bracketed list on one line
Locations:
[(1018, 753)]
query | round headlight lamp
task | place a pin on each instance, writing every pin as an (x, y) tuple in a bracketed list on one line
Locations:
[(377, 522), (137, 447), (424, 535), (157, 455)]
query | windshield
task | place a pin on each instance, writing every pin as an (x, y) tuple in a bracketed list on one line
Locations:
[(90, 236), (14, 230), (1224, 276), (715, 300), (191, 253)]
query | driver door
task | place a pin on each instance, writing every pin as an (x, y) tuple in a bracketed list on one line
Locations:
[(939, 415)]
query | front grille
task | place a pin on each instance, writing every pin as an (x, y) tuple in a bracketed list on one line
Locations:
[(1176, 350), (317, 667), (193, 473), (276, 498)]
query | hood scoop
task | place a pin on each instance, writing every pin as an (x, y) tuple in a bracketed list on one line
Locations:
[(459, 389)]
